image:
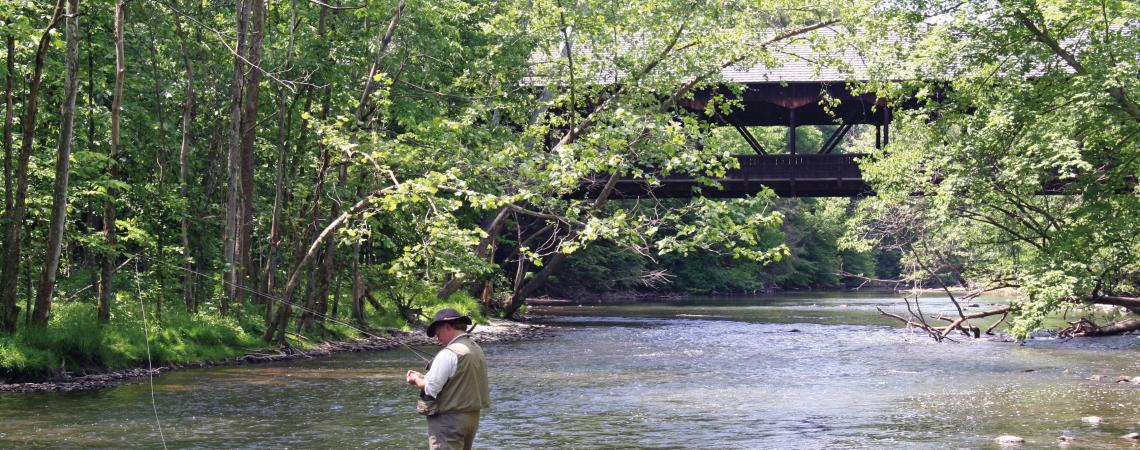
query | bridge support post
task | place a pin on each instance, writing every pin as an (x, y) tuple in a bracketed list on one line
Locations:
[(791, 131)]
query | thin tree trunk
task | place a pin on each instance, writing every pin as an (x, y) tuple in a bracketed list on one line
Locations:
[(322, 300), (362, 110), (160, 162), (62, 169), (231, 230), (276, 328), (188, 109), (357, 288), (315, 210), (106, 284), (161, 154), (284, 127), (271, 318), (283, 113), (335, 298), (10, 269), (246, 187), (91, 259), (9, 110)]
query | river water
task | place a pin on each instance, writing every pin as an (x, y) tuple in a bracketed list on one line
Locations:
[(802, 371)]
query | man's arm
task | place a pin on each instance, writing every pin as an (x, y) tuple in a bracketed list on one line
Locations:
[(443, 367)]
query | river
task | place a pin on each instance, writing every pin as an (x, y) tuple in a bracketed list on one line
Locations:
[(794, 371)]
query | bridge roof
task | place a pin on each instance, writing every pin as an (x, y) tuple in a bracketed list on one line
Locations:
[(802, 75), (803, 62)]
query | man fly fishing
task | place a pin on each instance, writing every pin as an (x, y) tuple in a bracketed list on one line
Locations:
[(455, 387)]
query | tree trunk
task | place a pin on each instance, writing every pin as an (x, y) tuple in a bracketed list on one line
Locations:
[(357, 288), (521, 294), (276, 328), (161, 155), (492, 228), (270, 275), (106, 283), (284, 128), (231, 237), (9, 109), (362, 109), (91, 258), (10, 269), (325, 273), (62, 169), (188, 109), (246, 188), (1120, 327)]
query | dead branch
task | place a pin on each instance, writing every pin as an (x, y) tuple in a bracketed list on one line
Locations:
[(918, 319)]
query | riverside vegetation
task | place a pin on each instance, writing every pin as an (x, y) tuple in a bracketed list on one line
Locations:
[(246, 175)]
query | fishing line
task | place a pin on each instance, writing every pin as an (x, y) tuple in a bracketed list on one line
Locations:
[(149, 361), (427, 357)]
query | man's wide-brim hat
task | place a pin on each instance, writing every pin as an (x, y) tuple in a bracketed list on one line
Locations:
[(446, 315)]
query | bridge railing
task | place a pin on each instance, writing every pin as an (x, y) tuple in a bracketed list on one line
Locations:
[(798, 167)]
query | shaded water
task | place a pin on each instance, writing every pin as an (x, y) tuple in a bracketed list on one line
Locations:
[(787, 372)]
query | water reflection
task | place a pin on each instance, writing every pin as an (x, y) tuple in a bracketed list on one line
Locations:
[(799, 372)]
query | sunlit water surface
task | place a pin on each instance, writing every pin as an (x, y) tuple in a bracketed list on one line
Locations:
[(804, 371)]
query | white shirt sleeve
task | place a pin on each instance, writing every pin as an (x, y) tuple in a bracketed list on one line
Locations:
[(443, 367)]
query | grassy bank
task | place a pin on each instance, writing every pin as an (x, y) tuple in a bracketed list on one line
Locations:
[(74, 342)]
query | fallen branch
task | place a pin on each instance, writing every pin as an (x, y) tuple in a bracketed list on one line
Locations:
[(918, 319), (1085, 327)]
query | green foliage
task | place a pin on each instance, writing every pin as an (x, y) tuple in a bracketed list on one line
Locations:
[(1016, 98), (811, 257)]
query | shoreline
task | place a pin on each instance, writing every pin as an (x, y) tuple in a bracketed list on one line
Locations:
[(494, 331), (626, 297)]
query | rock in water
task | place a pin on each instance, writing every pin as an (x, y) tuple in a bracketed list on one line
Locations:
[(1065, 439), (1009, 440), (1091, 420), (1132, 436)]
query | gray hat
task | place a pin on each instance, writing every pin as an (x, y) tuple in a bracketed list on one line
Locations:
[(446, 315)]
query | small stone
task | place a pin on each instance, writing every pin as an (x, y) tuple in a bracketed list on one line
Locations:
[(1065, 439), (1091, 420), (1096, 377), (1131, 436), (1135, 380), (1009, 440), (1123, 380)]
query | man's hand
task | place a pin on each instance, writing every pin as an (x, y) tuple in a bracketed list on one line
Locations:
[(415, 378)]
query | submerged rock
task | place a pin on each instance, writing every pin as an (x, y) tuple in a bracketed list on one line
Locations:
[(1065, 439), (1009, 440), (1132, 436), (1091, 420)]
